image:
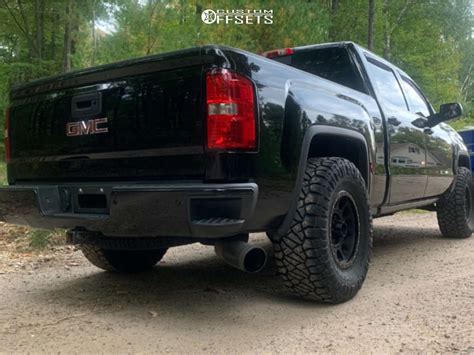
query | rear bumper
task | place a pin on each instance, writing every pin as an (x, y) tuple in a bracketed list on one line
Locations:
[(148, 210)]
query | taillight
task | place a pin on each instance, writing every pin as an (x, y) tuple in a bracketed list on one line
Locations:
[(7, 135), (278, 52), (231, 121)]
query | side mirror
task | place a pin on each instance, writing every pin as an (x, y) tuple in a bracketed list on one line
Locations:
[(450, 111), (446, 112)]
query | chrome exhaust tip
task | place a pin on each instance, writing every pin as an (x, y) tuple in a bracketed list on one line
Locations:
[(242, 255)]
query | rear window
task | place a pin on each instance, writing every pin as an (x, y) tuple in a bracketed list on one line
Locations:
[(331, 63)]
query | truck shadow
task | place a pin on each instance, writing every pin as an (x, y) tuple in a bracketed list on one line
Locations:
[(203, 287)]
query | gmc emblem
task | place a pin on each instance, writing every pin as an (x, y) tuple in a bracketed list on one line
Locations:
[(84, 128)]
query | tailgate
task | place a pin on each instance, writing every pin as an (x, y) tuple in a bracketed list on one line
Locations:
[(140, 120)]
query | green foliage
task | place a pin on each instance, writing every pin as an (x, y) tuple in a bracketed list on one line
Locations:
[(39, 239), (431, 40), (27, 240), (3, 172), (414, 211), (463, 123)]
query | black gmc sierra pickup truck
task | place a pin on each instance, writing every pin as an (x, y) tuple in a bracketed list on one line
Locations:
[(212, 143)]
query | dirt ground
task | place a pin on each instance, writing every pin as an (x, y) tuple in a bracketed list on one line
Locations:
[(419, 295)]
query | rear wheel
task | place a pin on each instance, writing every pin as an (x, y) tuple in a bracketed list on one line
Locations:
[(455, 209), (122, 260), (325, 254)]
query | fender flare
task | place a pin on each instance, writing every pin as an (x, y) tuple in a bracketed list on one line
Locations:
[(458, 156), (311, 133)]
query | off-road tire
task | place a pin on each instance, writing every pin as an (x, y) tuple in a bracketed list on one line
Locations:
[(455, 209), (305, 255), (123, 261)]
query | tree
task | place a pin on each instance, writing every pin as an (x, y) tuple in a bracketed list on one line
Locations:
[(371, 25), (18, 14), (334, 6), (431, 40), (67, 46), (390, 24)]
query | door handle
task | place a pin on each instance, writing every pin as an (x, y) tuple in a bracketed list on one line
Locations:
[(86, 105), (394, 121)]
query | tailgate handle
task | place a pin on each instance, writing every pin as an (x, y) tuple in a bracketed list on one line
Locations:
[(86, 105)]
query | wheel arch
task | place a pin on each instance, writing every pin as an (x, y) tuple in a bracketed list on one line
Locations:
[(350, 145), (317, 143)]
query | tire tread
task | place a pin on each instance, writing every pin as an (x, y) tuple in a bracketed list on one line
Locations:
[(302, 255), (450, 208)]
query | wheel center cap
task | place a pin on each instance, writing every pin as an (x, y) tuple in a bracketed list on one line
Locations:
[(342, 228)]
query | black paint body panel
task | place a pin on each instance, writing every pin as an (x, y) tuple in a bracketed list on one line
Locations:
[(129, 210), (155, 127)]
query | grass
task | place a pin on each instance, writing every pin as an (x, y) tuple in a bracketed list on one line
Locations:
[(39, 239), (23, 239), (36, 239), (3, 166), (414, 211), (3, 173)]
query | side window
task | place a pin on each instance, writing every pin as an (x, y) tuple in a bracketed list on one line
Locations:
[(386, 84), (333, 63), (416, 102)]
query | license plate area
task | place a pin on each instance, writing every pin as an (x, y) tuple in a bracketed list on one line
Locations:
[(91, 200), (83, 200), (67, 199)]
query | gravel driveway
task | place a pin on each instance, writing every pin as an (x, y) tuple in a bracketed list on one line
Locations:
[(419, 295)]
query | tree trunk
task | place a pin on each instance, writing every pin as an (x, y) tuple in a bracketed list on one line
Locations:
[(151, 40), (389, 26), (55, 23), (94, 36), (334, 5), (182, 5), (39, 23), (32, 50), (371, 26), (67, 38), (42, 22), (387, 46), (386, 31)]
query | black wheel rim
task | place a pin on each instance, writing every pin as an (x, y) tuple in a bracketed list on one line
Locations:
[(344, 230)]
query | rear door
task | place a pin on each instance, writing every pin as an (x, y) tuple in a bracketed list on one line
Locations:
[(439, 154), (407, 152)]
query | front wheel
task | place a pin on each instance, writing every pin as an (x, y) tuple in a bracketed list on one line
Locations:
[(325, 255), (122, 260), (455, 209)]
